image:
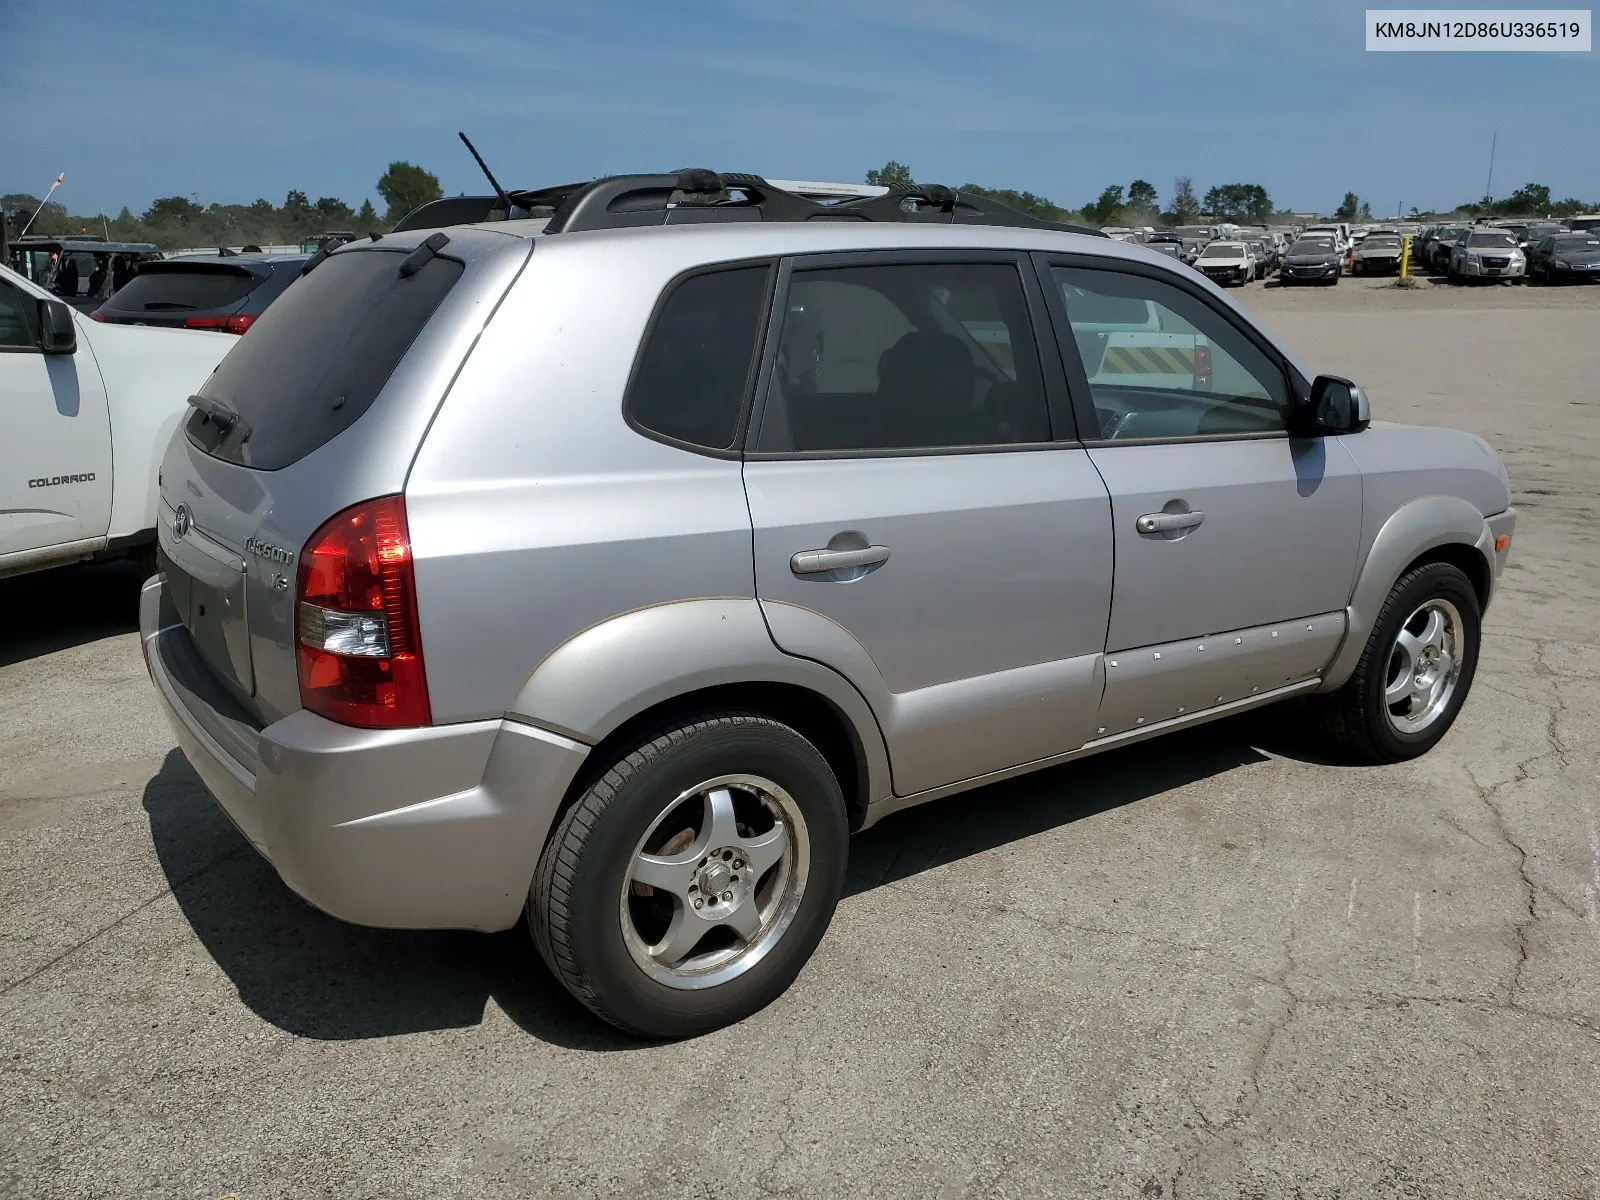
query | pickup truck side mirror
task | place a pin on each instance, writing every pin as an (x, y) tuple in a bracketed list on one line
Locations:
[(57, 332), (1338, 406)]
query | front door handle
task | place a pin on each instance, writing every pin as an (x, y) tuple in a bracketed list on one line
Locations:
[(1166, 522), (814, 562)]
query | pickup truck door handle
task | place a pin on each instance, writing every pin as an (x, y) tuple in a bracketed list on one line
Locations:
[(1168, 522), (814, 562)]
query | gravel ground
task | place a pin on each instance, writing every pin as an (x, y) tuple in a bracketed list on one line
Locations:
[(1215, 966)]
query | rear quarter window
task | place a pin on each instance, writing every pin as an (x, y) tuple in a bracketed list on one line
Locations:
[(693, 372), (318, 357)]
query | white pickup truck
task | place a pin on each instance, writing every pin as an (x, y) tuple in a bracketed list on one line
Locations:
[(88, 410)]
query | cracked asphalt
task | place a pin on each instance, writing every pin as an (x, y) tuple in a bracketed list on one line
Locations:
[(1216, 966)]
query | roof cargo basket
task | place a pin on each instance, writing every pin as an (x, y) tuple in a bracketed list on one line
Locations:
[(696, 196)]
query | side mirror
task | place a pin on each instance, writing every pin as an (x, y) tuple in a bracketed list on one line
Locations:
[(57, 332), (1338, 406)]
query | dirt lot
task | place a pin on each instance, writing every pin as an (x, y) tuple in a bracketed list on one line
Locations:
[(1219, 966)]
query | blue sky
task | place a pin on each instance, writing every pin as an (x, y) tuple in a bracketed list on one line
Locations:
[(235, 99)]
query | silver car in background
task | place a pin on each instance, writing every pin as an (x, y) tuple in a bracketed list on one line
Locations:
[(608, 571), (1486, 254)]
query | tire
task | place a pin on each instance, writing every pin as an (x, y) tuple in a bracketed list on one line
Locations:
[(594, 921), (1357, 716)]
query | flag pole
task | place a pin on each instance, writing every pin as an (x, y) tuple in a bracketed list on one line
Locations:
[(42, 203)]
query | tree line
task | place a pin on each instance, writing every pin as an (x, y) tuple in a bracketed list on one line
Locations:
[(180, 221), (1138, 204), (174, 222)]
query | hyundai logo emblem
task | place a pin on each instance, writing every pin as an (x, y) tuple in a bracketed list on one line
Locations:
[(181, 523)]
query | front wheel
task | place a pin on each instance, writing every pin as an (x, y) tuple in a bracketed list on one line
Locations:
[(691, 882), (1415, 670)]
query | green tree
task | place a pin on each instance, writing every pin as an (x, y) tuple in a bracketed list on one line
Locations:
[(1142, 198), (406, 187), (1348, 207), (367, 218), (1026, 202), (892, 175), (1239, 202), (1528, 200), (332, 211), (1105, 210), (173, 208), (1185, 207)]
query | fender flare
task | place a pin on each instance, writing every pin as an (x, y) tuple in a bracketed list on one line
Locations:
[(1411, 531), (594, 682)]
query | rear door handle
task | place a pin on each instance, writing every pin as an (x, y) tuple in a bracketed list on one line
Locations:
[(813, 562), (1168, 522)]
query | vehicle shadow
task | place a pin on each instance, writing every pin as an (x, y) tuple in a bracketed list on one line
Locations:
[(67, 606), (317, 977), (956, 827)]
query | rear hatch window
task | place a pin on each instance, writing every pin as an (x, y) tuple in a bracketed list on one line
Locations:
[(319, 356), (180, 288)]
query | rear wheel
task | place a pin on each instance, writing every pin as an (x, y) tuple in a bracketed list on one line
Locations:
[(1415, 670), (691, 882)]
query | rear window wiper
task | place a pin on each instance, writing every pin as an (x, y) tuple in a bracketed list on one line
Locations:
[(418, 258), (223, 416)]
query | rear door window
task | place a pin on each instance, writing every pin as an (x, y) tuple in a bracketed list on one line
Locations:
[(902, 357), (178, 289), (319, 356)]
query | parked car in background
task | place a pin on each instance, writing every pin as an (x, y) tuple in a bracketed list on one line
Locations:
[(1441, 249), (1311, 260), (1487, 254), (1195, 238), (495, 588), (1265, 254), (83, 271), (89, 410), (1566, 258), (1171, 247), (1340, 233), (1378, 254), (222, 293), (1227, 263), (1583, 222)]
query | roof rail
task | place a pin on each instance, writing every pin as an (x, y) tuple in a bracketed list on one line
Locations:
[(697, 197)]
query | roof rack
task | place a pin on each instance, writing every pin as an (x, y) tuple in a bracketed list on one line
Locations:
[(698, 197)]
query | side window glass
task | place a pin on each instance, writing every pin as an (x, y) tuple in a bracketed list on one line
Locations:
[(1163, 363), (691, 380), (904, 357), (16, 320)]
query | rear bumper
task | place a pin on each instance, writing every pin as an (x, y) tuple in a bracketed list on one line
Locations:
[(432, 828)]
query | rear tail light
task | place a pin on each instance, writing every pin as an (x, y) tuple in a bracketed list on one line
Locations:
[(1202, 368), (95, 316), (234, 324), (358, 645)]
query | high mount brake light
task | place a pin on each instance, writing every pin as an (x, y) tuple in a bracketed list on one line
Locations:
[(234, 324), (358, 646)]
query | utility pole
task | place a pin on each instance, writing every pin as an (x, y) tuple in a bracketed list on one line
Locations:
[(1488, 188)]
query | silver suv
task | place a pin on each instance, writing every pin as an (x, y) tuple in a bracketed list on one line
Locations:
[(612, 568)]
